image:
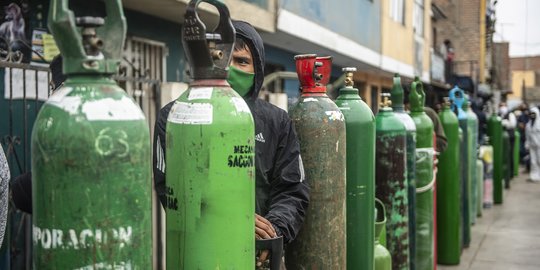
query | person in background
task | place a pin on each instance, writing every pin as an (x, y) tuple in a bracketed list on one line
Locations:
[(532, 132), (522, 121)]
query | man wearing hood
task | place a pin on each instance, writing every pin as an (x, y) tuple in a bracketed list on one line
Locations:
[(282, 194)]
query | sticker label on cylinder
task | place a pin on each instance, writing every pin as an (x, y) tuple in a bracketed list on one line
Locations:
[(200, 93), (109, 109), (240, 105), (191, 113)]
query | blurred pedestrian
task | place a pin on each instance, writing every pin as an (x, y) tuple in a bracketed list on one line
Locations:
[(532, 131)]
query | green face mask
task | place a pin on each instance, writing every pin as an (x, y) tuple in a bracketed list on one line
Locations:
[(240, 81)]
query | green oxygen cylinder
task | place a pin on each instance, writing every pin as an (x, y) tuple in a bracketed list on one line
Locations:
[(91, 171), (448, 192), (360, 126), (458, 98), (517, 139), (399, 111), (424, 178), (382, 259), (507, 175), (495, 131), (391, 181), (321, 244), (210, 157), (472, 127), (480, 190)]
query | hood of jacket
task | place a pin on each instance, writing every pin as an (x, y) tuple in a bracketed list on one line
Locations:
[(254, 41)]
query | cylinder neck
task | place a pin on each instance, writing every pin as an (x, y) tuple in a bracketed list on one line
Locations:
[(386, 104), (89, 79)]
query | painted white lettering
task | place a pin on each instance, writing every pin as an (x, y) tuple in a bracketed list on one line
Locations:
[(37, 234), (73, 238), (84, 234), (46, 238), (57, 238)]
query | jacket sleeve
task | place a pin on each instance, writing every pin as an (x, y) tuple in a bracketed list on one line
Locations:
[(289, 191), (158, 160)]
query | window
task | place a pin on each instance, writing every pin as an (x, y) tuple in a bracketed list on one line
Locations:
[(418, 17), (397, 10)]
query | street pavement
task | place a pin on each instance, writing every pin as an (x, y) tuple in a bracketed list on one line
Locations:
[(507, 236)]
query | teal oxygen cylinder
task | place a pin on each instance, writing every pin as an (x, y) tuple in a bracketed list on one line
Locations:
[(457, 96), (91, 166), (210, 157), (425, 179), (399, 112)]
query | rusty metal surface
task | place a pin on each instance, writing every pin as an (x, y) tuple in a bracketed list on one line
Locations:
[(321, 243), (391, 184)]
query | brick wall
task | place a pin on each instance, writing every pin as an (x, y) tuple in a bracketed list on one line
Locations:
[(462, 28), (501, 65), (525, 63)]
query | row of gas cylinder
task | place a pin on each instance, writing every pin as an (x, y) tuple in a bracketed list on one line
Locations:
[(352, 157), (92, 180), (355, 160)]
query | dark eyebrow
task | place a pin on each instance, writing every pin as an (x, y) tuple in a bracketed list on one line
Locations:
[(243, 58)]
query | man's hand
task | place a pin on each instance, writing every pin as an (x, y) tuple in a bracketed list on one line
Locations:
[(263, 230)]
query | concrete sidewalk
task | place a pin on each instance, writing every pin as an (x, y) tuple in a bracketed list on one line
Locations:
[(507, 236)]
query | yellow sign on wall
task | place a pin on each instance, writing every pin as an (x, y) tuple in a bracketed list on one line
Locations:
[(50, 50)]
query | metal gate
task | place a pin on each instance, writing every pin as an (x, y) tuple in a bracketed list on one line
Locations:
[(25, 89)]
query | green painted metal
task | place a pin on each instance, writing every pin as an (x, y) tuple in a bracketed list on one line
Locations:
[(76, 46), (480, 190), (517, 138), (472, 140), (495, 131), (321, 244), (211, 180), (391, 182), (507, 174), (210, 158), (424, 178), (399, 111), (457, 96), (360, 126), (448, 192), (90, 156), (382, 258)]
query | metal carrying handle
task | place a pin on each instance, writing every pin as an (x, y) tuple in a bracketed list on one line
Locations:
[(208, 54), (275, 246), (69, 38), (417, 97)]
